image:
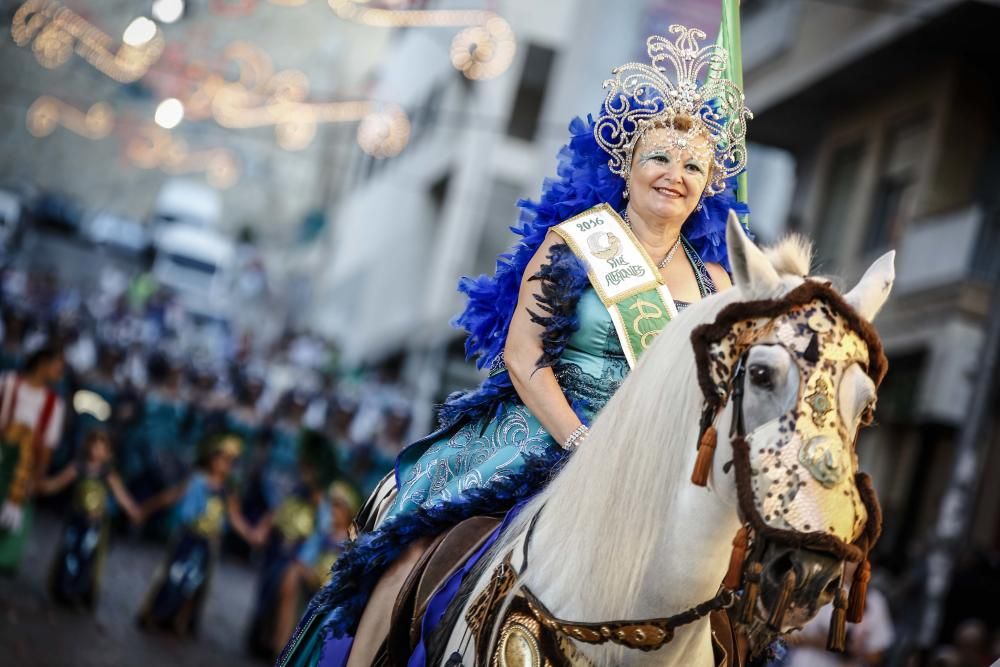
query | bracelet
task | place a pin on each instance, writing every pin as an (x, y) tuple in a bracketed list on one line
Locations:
[(576, 437)]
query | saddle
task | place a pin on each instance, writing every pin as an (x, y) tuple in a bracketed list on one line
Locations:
[(446, 554)]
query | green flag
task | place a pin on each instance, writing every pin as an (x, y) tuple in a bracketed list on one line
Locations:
[(729, 39)]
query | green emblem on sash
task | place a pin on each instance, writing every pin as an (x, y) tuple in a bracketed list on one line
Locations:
[(622, 274)]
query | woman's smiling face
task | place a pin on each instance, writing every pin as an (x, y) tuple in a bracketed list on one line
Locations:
[(670, 169)]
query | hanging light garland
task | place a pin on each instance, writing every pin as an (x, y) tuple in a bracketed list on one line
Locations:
[(384, 132), (56, 32), (483, 50), (154, 148), (261, 97), (47, 113)]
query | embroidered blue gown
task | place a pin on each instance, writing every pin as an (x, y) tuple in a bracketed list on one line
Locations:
[(76, 569), (178, 591), (299, 534), (443, 465), (472, 466)]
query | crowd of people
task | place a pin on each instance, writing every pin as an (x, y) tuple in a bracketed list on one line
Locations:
[(112, 421)]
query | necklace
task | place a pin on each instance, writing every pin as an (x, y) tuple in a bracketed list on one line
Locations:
[(670, 253)]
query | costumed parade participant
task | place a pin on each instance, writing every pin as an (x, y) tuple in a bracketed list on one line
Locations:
[(203, 504), (631, 231), (295, 532), (76, 569), (151, 461), (31, 424), (306, 573)]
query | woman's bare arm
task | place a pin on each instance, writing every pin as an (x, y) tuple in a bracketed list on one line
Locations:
[(163, 499), (124, 498), (65, 477), (239, 522), (537, 387)]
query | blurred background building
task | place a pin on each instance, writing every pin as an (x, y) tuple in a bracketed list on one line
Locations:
[(337, 166)]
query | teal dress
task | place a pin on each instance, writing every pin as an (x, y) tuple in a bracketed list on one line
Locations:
[(590, 369)]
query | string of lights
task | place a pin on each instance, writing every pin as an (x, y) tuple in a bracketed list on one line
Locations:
[(47, 113), (55, 32), (483, 50), (152, 147)]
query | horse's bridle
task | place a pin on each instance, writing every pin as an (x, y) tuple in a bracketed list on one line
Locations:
[(652, 634)]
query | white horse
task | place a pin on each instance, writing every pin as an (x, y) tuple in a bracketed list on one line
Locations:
[(622, 533)]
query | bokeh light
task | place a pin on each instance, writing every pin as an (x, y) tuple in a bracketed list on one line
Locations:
[(486, 51), (168, 11), (139, 32), (169, 113), (384, 133)]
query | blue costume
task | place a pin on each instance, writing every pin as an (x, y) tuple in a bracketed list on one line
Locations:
[(301, 527), (178, 591), (490, 451), (76, 569)]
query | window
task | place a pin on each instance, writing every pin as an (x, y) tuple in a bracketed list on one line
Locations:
[(840, 190), (896, 185), (438, 194), (523, 122)]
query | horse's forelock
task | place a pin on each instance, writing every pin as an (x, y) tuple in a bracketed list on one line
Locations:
[(792, 256)]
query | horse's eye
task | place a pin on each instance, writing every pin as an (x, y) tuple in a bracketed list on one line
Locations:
[(760, 376)]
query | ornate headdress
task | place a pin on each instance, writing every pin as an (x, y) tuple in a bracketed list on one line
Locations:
[(642, 96)]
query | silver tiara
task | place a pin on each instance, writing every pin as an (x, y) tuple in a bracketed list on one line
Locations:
[(642, 96)]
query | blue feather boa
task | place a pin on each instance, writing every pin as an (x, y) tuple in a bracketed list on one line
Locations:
[(359, 568)]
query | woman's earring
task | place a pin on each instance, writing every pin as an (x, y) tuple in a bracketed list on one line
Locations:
[(625, 193), (701, 205)]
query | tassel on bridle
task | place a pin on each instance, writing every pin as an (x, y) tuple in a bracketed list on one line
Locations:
[(781, 604), (706, 452), (737, 559), (709, 436), (750, 592), (859, 592), (837, 639)]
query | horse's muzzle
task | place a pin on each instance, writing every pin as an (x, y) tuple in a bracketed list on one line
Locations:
[(794, 585)]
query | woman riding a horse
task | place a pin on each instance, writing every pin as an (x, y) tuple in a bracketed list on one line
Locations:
[(631, 234)]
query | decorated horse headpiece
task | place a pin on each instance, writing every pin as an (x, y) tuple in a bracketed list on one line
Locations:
[(793, 473), (642, 96)]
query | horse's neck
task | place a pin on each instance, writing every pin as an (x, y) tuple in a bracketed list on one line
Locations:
[(687, 566)]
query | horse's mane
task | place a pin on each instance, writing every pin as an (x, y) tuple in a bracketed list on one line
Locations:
[(636, 449)]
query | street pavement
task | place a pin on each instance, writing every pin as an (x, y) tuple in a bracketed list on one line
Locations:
[(34, 632)]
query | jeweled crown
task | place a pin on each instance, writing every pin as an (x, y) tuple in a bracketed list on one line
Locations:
[(642, 96)]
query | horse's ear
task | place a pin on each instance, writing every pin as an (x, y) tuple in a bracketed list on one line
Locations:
[(751, 268), (869, 295)]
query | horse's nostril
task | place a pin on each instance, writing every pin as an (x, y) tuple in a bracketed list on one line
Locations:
[(832, 587), (781, 566)]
